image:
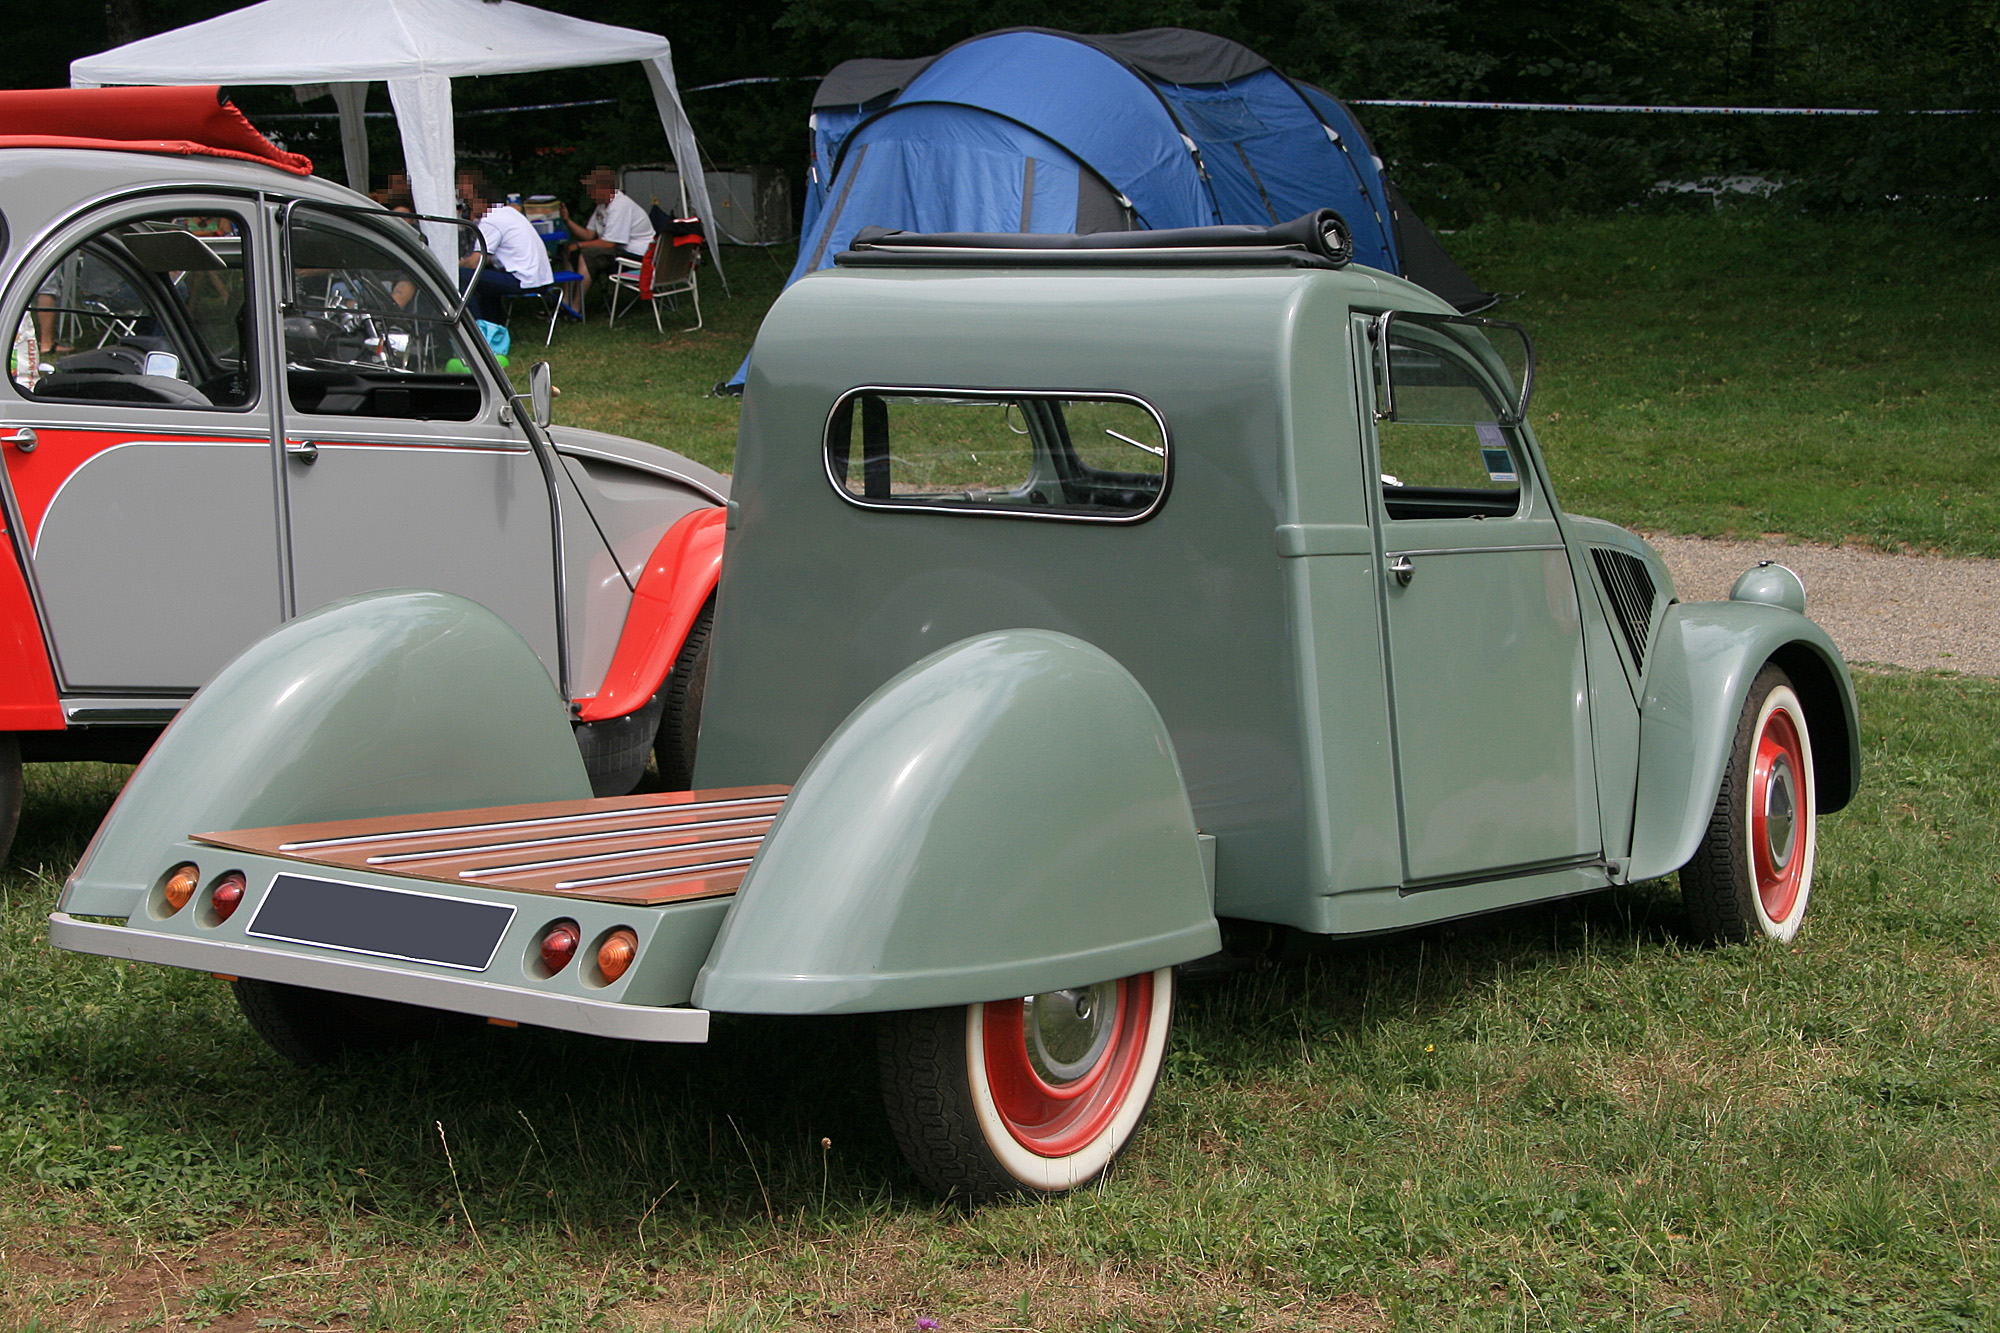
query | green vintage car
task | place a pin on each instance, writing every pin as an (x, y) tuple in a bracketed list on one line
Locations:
[(1079, 595)]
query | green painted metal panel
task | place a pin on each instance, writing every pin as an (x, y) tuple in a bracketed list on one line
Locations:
[(387, 703), (1704, 657), (1005, 817)]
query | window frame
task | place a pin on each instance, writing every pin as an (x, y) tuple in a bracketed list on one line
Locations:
[(927, 505), (88, 226)]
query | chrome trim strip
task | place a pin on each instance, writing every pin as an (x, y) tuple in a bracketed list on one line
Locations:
[(605, 456), (537, 822), (100, 712), (450, 853), (464, 995), (524, 867), (663, 872), (1476, 550)]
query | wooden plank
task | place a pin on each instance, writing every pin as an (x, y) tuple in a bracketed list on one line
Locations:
[(658, 847)]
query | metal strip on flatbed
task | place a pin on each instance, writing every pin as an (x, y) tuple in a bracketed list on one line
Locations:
[(657, 848)]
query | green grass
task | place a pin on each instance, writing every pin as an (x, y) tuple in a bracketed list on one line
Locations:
[(1735, 374), (1745, 373), (1560, 1118)]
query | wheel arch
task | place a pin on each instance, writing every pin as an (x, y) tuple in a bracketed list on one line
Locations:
[(1705, 657), (1002, 818), (679, 578), (399, 702)]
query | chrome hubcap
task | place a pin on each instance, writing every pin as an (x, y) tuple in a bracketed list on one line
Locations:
[(1780, 813), (1068, 1030)]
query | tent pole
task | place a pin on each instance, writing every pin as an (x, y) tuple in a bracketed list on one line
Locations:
[(352, 99), (687, 156), (423, 115)]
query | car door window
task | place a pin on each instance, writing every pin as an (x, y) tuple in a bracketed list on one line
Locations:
[(367, 332), (150, 311)]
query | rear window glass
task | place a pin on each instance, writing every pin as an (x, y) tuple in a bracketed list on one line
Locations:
[(1098, 457)]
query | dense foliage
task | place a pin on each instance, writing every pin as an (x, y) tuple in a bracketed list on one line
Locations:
[(1915, 55)]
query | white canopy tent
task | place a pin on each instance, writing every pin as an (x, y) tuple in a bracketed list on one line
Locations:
[(417, 47)]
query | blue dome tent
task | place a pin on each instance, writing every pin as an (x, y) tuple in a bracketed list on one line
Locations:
[(1034, 130)]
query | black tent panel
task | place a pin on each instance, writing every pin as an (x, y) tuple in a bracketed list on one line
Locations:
[(1426, 262)]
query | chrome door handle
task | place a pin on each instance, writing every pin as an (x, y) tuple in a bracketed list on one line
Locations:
[(1403, 569), (303, 450), (22, 439)]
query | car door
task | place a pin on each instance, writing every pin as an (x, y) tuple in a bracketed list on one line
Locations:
[(403, 468), (1489, 694), (139, 470)]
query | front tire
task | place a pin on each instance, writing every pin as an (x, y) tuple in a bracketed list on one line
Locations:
[(1752, 874), (680, 719), (1028, 1096), (10, 791)]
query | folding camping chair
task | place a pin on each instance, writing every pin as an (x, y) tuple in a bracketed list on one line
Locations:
[(552, 298), (661, 276)]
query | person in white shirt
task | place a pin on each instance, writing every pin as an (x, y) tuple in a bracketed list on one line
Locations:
[(617, 227), (516, 259)]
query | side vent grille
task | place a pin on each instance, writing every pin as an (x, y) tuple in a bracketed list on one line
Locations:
[(1630, 586)]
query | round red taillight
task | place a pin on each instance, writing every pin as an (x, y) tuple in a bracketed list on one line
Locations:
[(616, 953), (559, 945), (227, 895), (180, 885)]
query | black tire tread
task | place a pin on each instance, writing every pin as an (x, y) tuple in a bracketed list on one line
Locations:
[(680, 718), (10, 791), (926, 1091), (1717, 891), (312, 1027)]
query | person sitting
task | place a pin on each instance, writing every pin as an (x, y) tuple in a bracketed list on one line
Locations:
[(516, 259), (618, 227)]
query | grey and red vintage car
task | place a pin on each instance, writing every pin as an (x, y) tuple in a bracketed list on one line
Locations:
[(236, 392)]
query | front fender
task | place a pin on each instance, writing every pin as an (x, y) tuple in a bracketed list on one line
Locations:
[(677, 581), (1703, 661), (1003, 818)]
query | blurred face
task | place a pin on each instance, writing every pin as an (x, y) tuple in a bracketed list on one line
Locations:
[(601, 185), (469, 190)]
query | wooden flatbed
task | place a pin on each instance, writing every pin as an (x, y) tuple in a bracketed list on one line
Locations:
[(656, 848)]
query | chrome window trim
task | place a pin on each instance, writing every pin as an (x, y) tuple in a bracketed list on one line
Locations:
[(918, 506)]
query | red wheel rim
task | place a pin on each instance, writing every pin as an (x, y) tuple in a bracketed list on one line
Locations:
[(1778, 819), (1055, 1119)]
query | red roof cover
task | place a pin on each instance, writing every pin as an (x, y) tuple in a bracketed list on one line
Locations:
[(191, 121)]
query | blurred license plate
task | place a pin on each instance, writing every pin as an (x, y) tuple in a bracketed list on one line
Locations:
[(387, 923)]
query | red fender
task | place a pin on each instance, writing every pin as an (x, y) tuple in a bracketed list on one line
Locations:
[(677, 580), (28, 700)]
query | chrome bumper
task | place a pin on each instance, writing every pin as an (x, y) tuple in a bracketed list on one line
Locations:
[(506, 1004)]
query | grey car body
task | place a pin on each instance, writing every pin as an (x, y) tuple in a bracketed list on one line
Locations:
[(163, 520)]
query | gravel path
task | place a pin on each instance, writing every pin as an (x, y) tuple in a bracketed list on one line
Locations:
[(1926, 612)]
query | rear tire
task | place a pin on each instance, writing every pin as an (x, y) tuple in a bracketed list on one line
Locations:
[(1752, 874), (680, 720), (10, 791), (311, 1027), (1033, 1096)]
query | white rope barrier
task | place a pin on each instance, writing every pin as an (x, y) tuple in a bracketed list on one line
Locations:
[(1658, 110)]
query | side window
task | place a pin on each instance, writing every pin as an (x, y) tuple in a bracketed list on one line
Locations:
[(367, 332), (149, 311), (1065, 456), (1444, 429)]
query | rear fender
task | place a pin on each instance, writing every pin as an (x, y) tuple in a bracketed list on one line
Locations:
[(1003, 818), (386, 703), (678, 579), (1703, 662)]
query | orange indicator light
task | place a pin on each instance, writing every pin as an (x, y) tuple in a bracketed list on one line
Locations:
[(180, 886), (616, 953)]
